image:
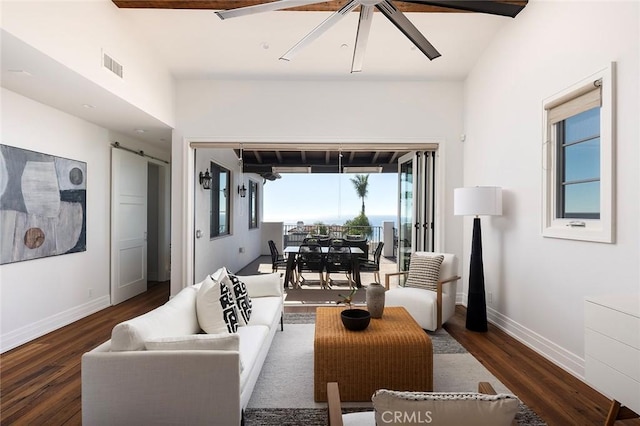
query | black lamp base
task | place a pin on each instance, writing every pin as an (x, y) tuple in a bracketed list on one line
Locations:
[(476, 302)]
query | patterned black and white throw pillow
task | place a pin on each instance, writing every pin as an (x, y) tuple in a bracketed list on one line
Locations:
[(241, 297), (424, 271), (215, 307)]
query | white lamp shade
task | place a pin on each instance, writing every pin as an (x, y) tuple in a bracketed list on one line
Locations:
[(477, 200)]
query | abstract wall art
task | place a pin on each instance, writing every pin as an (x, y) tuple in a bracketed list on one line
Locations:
[(43, 205)]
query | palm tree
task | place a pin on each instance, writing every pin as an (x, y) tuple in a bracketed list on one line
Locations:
[(361, 183)]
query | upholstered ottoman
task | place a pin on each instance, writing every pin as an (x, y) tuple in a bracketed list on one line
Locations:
[(392, 353)]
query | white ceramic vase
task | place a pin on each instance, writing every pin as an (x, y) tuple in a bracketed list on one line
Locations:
[(375, 300)]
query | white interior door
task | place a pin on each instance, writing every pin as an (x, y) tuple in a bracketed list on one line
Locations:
[(128, 225)]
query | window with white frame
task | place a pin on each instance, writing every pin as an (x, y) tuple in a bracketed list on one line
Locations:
[(578, 149), (220, 203)]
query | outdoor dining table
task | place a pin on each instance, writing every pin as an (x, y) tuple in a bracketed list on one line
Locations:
[(292, 251)]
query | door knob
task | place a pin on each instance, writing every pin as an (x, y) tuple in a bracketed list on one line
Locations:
[(198, 233)]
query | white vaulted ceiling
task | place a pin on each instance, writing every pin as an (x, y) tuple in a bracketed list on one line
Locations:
[(197, 44)]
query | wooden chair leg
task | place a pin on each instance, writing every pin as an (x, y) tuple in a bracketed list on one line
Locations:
[(613, 413), (486, 388), (334, 406), (618, 412)]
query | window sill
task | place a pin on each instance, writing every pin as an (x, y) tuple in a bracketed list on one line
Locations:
[(591, 232)]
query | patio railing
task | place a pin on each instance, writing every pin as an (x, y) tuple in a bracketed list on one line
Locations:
[(295, 234)]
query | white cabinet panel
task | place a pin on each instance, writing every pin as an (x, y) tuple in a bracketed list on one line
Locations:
[(612, 347), (618, 325)]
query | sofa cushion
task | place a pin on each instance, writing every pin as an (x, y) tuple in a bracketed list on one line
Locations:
[(265, 309), (240, 296), (263, 285), (222, 342), (424, 272), (174, 318), (215, 307), (422, 305), (446, 409), (252, 339), (197, 342)]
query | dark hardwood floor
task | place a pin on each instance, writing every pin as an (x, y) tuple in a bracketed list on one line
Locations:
[(40, 381), (557, 396)]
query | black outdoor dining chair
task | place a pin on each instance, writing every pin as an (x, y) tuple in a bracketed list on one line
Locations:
[(339, 260), (373, 265), (310, 259), (311, 240), (277, 260)]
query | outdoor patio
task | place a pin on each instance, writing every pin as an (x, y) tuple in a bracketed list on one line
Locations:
[(313, 294)]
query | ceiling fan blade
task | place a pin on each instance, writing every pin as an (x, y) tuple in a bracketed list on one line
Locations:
[(364, 25), (403, 24), (482, 6), (320, 29), (264, 7)]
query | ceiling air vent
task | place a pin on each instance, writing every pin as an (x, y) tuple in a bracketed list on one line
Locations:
[(112, 65)]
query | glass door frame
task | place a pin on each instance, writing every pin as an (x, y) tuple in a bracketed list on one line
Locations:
[(417, 183)]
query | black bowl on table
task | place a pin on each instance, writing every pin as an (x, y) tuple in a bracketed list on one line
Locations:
[(355, 319)]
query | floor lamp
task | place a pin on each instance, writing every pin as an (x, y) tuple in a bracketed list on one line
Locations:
[(477, 201)]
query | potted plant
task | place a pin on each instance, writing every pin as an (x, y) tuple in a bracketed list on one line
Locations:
[(353, 319)]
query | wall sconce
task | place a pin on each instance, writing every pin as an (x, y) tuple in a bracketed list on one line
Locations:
[(242, 190), (205, 180)]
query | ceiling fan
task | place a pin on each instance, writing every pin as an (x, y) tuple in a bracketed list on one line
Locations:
[(388, 9)]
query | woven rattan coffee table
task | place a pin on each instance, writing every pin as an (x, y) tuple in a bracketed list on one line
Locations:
[(392, 353)]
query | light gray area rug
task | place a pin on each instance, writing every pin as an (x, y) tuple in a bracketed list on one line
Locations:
[(286, 380), (284, 392)]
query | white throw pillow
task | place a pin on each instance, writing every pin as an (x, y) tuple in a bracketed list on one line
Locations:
[(263, 285), (240, 297), (175, 318), (216, 308), (444, 409)]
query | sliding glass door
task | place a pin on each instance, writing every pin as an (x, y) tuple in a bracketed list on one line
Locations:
[(416, 186)]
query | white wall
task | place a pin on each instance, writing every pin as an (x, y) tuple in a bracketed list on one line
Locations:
[(41, 295), (214, 253), (539, 284), (75, 33), (311, 111), (272, 231)]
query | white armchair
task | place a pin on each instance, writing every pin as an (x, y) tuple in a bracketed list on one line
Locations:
[(429, 308)]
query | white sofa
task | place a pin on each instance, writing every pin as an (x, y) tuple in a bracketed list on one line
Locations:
[(124, 383)]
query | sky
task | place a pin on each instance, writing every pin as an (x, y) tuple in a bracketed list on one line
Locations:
[(313, 197)]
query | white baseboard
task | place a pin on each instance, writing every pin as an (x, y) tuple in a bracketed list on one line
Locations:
[(25, 334), (564, 359)]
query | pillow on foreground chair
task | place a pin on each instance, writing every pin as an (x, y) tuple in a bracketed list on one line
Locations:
[(429, 293), (484, 408)]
